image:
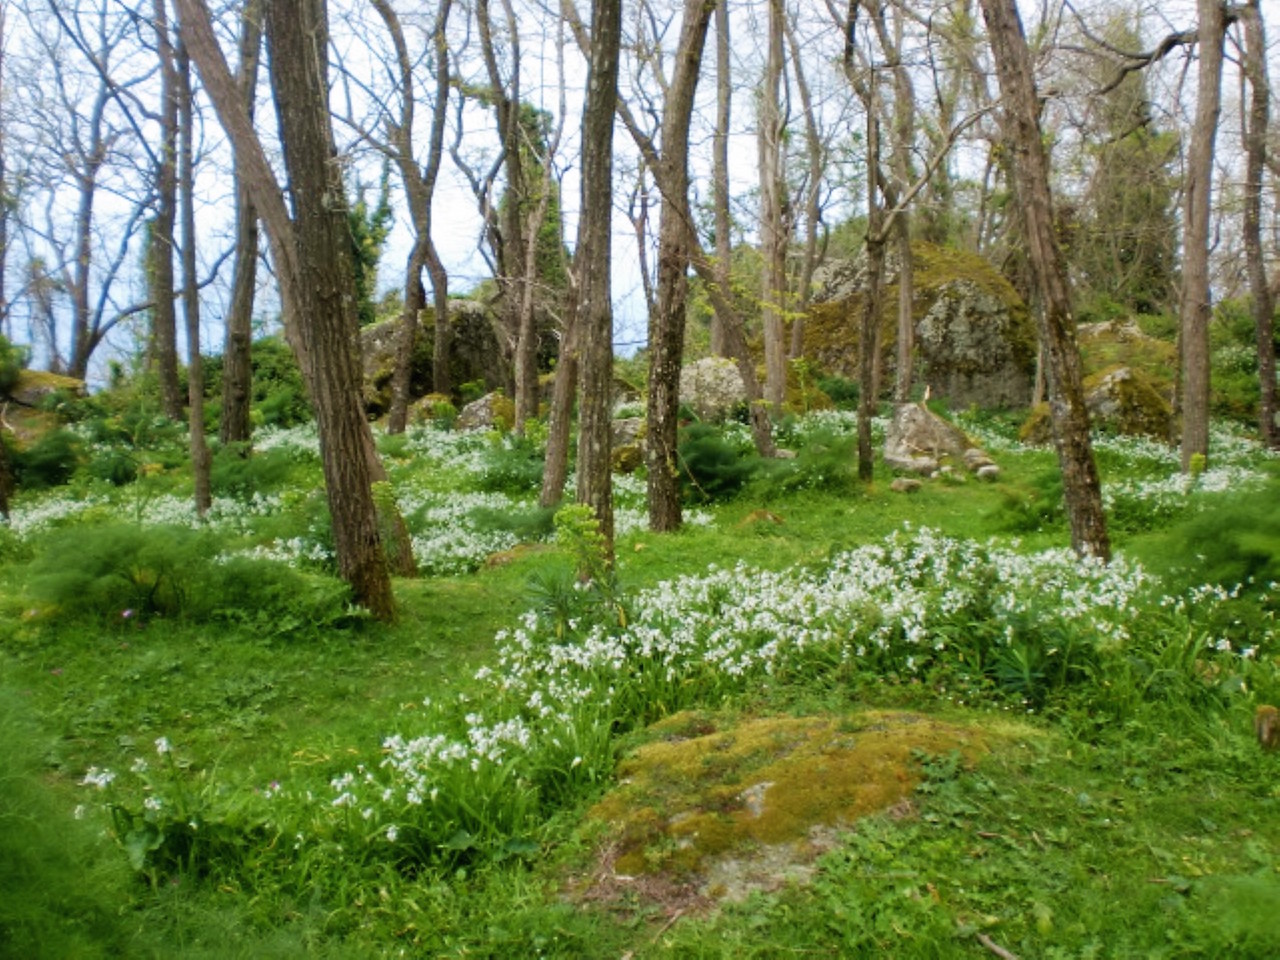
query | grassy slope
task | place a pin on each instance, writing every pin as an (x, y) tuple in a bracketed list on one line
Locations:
[(1159, 840)]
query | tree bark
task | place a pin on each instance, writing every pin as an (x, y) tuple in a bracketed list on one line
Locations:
[(720, 171), (773, 229), (869, 325), (312, 253), (200, 465), (419, 187), (1255, 147), (592, 261), (164, 342), (667, 322), (237, 369), (1069, 416), (1194, 305)]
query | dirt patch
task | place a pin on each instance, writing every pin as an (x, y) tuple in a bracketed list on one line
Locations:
[(710, 810)]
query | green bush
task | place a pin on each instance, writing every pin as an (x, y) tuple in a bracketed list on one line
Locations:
[(234, 472), (712, 467), (49, 462), (827, 460), (12, 359), (844, 393), (123, 574)]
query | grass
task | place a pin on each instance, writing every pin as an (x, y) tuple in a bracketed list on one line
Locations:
[(1152, 831)]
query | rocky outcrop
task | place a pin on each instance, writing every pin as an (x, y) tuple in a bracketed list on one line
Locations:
[(490, 411), (975, 337), (712, 388), (972, 351), (1119, 399), (35, 386)]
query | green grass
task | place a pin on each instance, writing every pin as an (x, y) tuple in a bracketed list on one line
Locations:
[(1158, 835)]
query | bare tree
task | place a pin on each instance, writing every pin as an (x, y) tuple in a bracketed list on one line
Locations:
[(775, 232), (720, 170), (667, 320), (1195, 307), (311, 252), (419, 186), (1255, 147), (237, 371), (1080, 482), (591, 262)]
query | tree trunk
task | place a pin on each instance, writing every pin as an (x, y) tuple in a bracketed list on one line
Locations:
[(420, 190), (237, 369), (773, 229), (1195, 307), (869, 326), (667, 322), (560, 420), (720, 171), (164, 342), (297, 37), (1069, 416), (1255, 146), (200, 465), (592, 260), (815, 150)]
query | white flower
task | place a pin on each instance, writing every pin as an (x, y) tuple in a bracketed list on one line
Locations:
[(163, 746), (97, 778), (392, 833), (152, 803)]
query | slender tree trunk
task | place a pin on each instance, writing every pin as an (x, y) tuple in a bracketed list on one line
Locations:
[(435, 150), (1195, 307), (200, 466), (720, 173), (592, 259), (1255, 146), (1070, 418), (773, 231), (816, 151), (903, 133), (297, 37), (869, 325), (667, 322), (237, 369), (564, 391), (164, 342), (420, 189)]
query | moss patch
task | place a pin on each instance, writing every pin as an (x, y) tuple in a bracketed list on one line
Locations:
[(704, 790)]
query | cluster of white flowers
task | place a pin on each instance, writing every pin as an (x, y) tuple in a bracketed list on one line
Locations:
[(32, 516), (302, 441), (897, 598)]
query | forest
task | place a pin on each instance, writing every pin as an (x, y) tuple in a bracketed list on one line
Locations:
[(639, 479)]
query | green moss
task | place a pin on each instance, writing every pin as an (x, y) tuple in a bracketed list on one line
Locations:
[(1135, 407), (703, 789)]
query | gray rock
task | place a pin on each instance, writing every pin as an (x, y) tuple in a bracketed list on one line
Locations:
[(972, 350), (918, 439), (712, 387), (482, 414), (627, 431), (989, 472), (906, 485)]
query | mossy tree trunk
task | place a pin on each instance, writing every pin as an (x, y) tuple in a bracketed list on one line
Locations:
[(1080, 482), (1195, 307), (592, 259), (1255, 145), (667, 322)]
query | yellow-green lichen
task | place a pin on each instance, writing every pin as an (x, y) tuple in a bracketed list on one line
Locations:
[(703, 789)]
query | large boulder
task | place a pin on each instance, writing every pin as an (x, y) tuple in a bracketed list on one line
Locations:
[(1119, 399), (712, 388), (918, 440), (34, 386), (976, 339), (972, 350)]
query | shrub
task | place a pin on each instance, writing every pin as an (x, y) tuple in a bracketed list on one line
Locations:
[(124, 573), (512, 465), (712, 467), (12, 359), (235, 474), (49, 462), (844, 393)]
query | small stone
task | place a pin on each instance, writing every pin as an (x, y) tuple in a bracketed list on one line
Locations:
[(990, 473), (906, 485)]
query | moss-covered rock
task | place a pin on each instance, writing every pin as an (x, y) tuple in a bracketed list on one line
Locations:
[(1120, 399), (703, 789), (977, 339), (34, 386)]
